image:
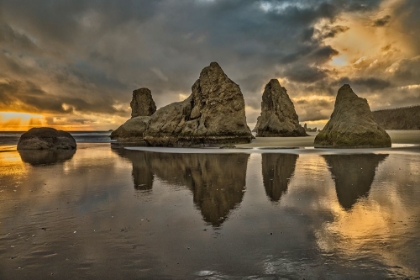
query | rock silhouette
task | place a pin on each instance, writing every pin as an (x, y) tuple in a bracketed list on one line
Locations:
[(351, 124), (213, 114), (278, 115), (142, 103), (277, 170), (353, 175), (46, 138), (142, 107)]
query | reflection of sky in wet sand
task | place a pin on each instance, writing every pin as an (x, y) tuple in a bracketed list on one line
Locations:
[(83, 217)]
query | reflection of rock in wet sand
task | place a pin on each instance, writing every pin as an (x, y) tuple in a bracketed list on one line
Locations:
[(277, 170), (217, 181), (353, 175), (42, 157), (142, 174)]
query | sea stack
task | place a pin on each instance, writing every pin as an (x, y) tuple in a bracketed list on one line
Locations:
[(214, 114), (351, 124), (278, 116), (142, 107), (142, 103), (46, 138)]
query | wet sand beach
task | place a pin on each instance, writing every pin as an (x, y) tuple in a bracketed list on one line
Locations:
[(122, 214)]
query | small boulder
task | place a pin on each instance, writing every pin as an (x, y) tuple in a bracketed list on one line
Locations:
[(278, 116), (351, 124), (142, 103), (46, 138)]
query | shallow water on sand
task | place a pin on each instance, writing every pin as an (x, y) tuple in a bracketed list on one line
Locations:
[(121, 214)]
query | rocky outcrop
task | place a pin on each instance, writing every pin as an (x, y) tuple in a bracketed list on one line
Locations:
[(213, 114), (142, 103), (133, 129), (278, 116), (142, 107), (46, 138), (407, 118), (351, 124)]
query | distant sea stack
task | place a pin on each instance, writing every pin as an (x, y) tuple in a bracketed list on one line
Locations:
[(142, 103), (278, 116), (351, 124), (46, 138), (407, 118), (142, 107), (214, 113)]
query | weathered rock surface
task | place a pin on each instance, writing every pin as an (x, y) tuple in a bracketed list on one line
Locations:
[(142, 103), (43, 157), (133, 129), (213, 114), (142, 107), (46, 138), (351, 124), (278, 116)]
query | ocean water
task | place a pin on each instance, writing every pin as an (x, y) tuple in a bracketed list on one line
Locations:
[(102, 213)]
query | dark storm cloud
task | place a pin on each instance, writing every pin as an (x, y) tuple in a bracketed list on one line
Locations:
[(382, 21), (408, 70), (371, 83), (304, 74), (96, 52), (26, 96)]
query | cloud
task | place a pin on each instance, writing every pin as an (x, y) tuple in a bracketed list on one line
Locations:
[(94, 55), (382, 21)]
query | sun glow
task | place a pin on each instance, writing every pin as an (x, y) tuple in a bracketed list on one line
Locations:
[(14, 121)]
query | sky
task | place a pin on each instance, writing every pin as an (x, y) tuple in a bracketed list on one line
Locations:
[(74, 64)]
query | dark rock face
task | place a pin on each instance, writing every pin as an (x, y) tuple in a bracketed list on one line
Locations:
[(46, 138), (133, 129), (277, 170), (43, 157), (351, 124), (278, 116), (142, 103), (353, 175), (213, 114), (407, 118), (143, 107)]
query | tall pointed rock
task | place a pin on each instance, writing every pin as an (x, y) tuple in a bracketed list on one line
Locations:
[(214, 113), (142, 107), (142, 103), (351, 124), (278, 116)]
